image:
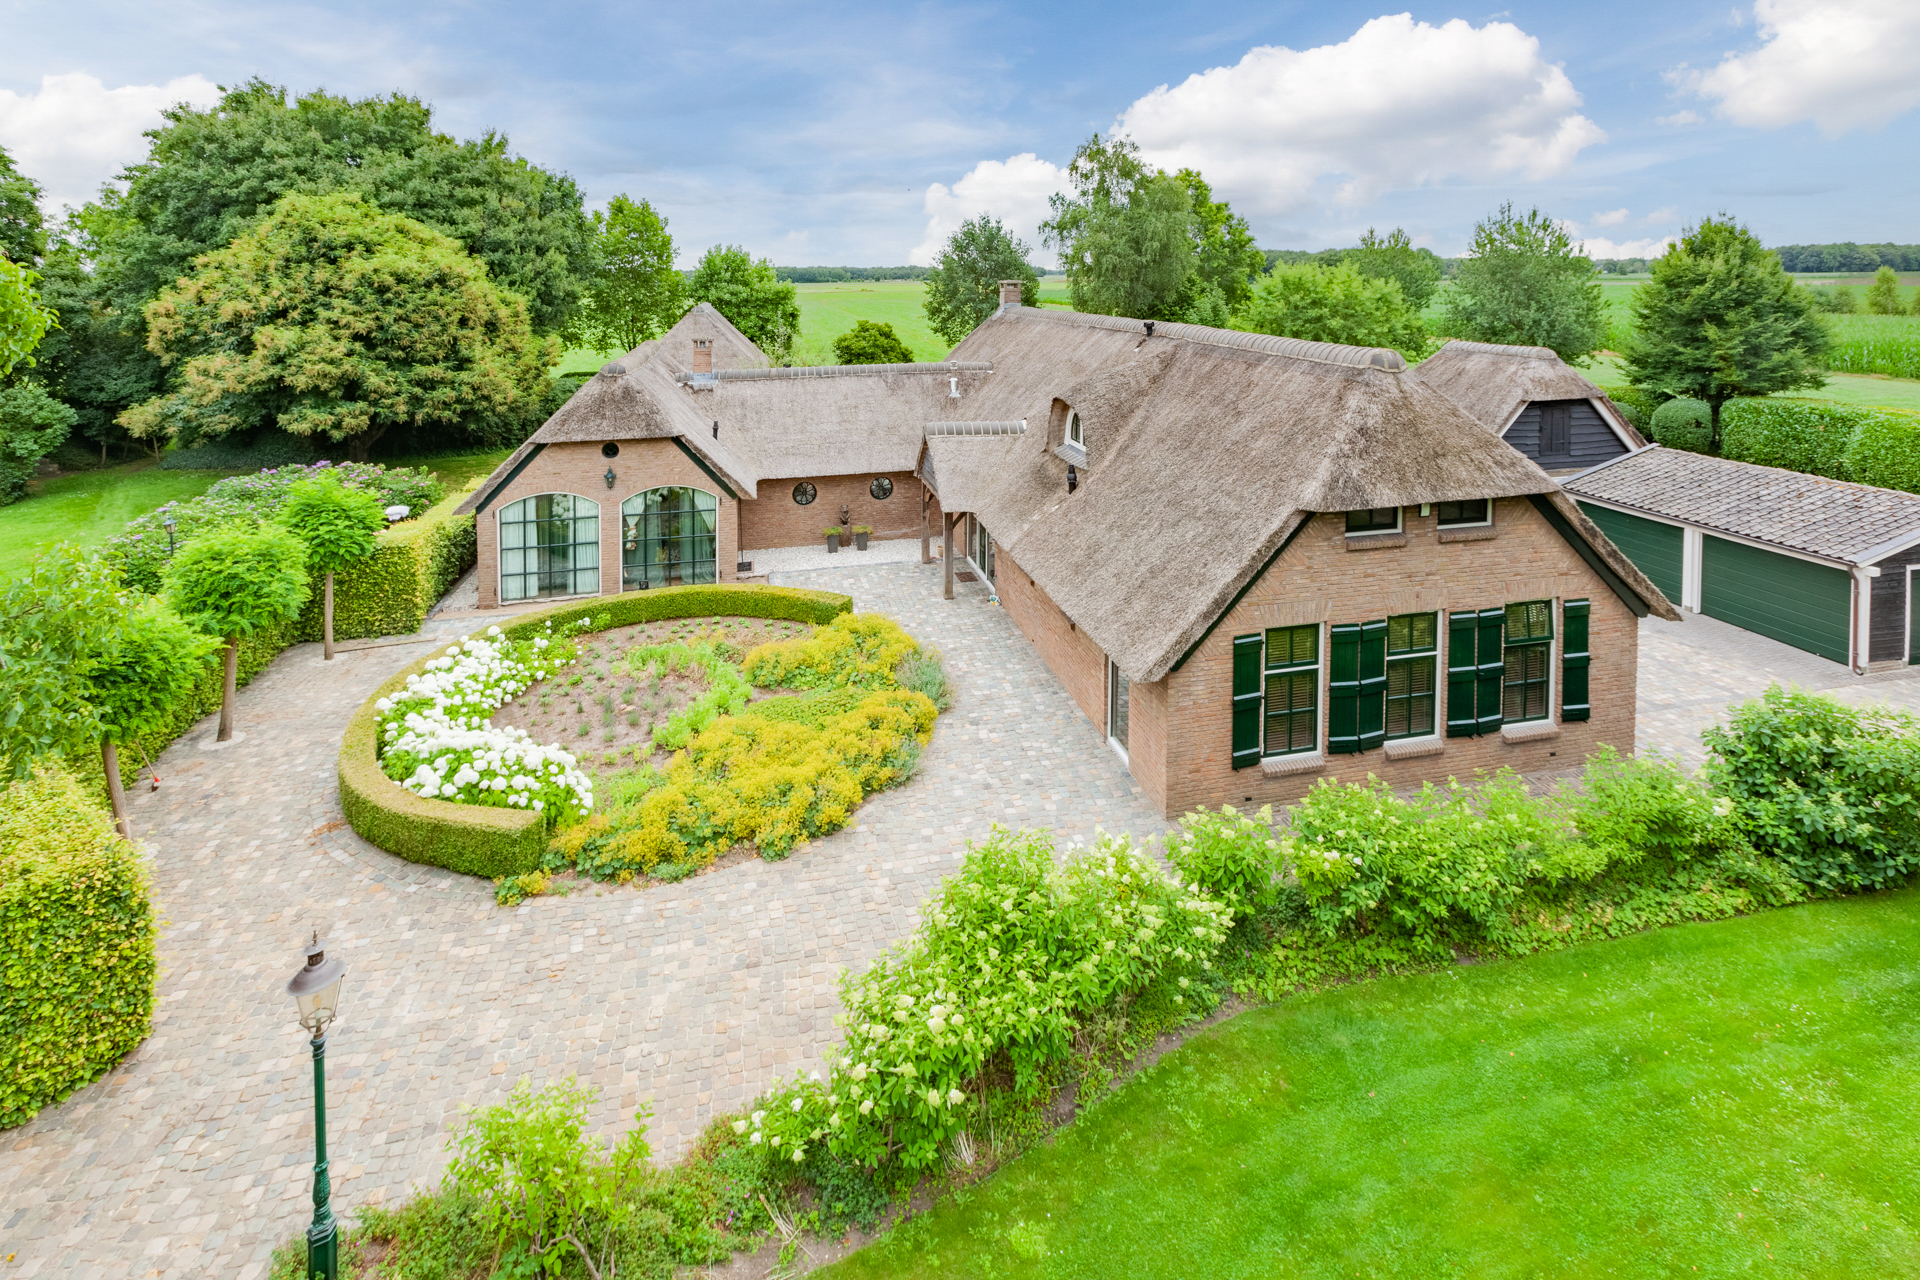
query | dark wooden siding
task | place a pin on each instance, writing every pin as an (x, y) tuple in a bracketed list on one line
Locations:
[(1796, 602), (1887, 636), (1656, 549), (1593, 440)]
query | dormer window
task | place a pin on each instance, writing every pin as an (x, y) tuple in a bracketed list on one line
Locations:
[(1076, 434)]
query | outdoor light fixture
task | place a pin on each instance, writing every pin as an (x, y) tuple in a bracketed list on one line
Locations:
[(168, 525), (316, 991), (609, 477)]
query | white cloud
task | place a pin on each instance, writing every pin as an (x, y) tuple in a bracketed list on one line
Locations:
[(1601, 247), (1613, 219), (1680, 118), (1399, 104), (75, 133), (1843, 64), (1014, 190), (1667, 214)]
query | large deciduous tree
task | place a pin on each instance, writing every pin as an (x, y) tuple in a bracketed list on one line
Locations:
[(338, 525), (238, 583), (964, 286), (1719, 318), (145, 668), (751, 295), (635, 292), (24, 319), (32, 425), (23, 233), (1226, 260), (331, 318), (1393, 257), (1883, 295), (1526, 283), (1333, 304)]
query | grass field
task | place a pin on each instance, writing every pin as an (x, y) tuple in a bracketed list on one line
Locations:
[(1732, 1098)]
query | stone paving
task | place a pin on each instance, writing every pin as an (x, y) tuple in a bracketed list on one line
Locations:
[(191, 1158)]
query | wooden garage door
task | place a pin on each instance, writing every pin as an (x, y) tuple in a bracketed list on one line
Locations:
[(1654, 547), (1796, 602)]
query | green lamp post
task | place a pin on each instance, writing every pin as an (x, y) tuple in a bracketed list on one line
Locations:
[(316, 990)]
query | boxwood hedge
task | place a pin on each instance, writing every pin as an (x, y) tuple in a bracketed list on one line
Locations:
[(77, 931), (491, 842)]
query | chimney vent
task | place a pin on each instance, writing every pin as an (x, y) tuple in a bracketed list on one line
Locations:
[(703, 355), (1010, 293), (953, 388), (1149, 328)]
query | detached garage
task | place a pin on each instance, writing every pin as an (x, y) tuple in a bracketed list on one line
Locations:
[(1819, 564)]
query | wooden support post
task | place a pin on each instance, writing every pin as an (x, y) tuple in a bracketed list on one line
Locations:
[(946, 550), (926, 540)]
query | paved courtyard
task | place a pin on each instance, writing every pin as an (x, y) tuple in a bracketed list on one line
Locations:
[(190, 1159)]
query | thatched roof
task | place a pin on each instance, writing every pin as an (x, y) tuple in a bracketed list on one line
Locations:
[(1205, 450), (1494, 383), (1833, 519)]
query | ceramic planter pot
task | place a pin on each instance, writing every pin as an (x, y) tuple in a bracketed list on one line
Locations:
[(859, 542), (833, 543)]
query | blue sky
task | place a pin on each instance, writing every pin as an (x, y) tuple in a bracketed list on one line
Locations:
[(860, 133)]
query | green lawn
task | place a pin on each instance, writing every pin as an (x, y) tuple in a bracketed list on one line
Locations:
[(89, 507), (1728, 1098)]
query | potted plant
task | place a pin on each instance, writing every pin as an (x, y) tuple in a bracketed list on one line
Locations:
[(832, 534), (860, 532)]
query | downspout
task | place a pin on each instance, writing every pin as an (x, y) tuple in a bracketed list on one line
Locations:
[(1862, 625)]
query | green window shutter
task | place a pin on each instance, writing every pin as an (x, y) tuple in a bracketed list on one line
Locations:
[(1574, 659), (1490, 674), (1463, 670), (1343, 689), (1372, 700), (1246, 700)]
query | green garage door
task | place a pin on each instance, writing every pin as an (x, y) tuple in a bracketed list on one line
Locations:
[(1793, 601), (1653, 547)]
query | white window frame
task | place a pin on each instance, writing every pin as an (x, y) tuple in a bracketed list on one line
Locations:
[(1464, 524), (500, 548), (1399, 524), (1321, 667), (1555, 620), (1439, 674), (1076, 430), (1106, 729)]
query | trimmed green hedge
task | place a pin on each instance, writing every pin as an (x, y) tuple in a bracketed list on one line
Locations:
[(412, 565), (1683, 423), (1886, 451), (482, 841), (77, 966), (1796, 434)]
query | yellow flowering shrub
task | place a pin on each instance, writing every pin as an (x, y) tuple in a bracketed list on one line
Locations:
[(861, 650)]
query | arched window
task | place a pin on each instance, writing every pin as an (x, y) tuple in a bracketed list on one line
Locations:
[(1076, 434), (667, 536), (549, 546)]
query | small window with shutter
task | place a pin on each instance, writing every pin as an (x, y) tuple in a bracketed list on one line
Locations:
[(1556, 430), (1528, 649), (1413, 641), (1292, 690)]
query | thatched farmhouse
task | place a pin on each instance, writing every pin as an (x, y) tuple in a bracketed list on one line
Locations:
[(1252, 561)]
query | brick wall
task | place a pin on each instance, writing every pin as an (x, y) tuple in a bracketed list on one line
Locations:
[(580, 469), (1075, 661), (774, 519), (1320, 580)]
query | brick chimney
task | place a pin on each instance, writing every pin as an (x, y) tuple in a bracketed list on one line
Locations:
[(1010, 293), (703, 355)]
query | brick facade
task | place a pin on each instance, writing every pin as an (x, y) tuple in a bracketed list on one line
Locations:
[(1180, 728), (774, 519), (580, 469)]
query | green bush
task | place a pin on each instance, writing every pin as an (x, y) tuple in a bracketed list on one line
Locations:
[(1015, 953), (1234, 856), (412, 566), (502, 843), (1638, 404), (270, 449), (1830, 790), (814, 709), (1799, 435), (32, 425), (77, 930), (1886, 451), (1682, 423)]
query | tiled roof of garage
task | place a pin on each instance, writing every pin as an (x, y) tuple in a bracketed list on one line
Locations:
[(1833, 519)]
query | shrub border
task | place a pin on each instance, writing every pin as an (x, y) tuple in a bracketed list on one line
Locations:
[(481, 841)]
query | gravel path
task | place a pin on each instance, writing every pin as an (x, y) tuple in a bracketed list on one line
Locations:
[(190, 1159)]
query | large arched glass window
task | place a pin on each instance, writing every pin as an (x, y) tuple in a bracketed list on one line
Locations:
[(667, 537), (549, 546)]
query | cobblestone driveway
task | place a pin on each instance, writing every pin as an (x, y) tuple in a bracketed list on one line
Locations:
[(191, 1158)]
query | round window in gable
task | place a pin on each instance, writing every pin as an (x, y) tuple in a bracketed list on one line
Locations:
[(881, 488), (803, 493), (609, 450)]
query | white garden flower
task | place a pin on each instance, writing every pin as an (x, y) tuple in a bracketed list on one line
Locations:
[(866, 1107), (955, 1097), (739, 1126)]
